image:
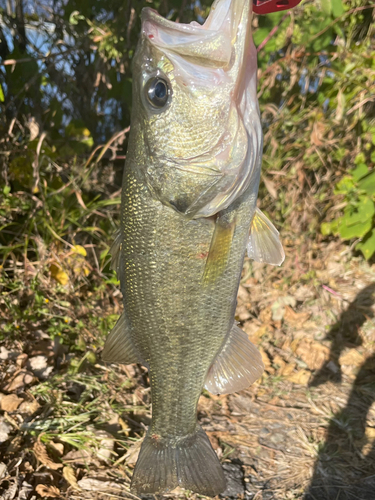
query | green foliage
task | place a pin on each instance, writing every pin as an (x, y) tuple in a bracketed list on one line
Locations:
[(316, 92), (357, 221)]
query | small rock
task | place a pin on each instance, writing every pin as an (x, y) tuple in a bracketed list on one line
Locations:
[(58, 448), (10, 403), (25, 491), (29, 407), (106, 444), (235, 480), (21, 360), (19, 380), (4, 353), (3, 470), (5, 430), (38, 365)]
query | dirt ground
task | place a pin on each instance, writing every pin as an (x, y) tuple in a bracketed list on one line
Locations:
[(70, 426)]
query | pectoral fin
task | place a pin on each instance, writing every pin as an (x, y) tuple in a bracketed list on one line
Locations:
[(220, 247), (238, 365), (264, 243), (119, 347)]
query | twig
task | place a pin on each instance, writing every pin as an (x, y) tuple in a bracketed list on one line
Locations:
[(272, 32)]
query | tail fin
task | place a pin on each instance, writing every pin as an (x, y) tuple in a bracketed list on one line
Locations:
[(189, 462)]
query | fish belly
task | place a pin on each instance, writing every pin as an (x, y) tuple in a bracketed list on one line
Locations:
[(178, 323)]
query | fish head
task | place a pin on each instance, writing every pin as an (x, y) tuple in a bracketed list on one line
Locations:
[(195, 114)]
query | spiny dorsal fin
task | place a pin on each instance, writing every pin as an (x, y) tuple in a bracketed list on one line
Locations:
[(238, 365), (119, 347), (115, 251), (264, 243)]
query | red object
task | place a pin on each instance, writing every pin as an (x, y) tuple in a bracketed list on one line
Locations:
[(268, 6)]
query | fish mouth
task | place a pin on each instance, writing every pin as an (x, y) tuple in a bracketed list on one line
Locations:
[(218, 53), (209, 44)]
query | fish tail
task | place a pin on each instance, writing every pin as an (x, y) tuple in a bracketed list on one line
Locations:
[(189, 462)]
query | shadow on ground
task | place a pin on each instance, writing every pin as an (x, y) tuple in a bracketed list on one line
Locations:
[(345, 468)]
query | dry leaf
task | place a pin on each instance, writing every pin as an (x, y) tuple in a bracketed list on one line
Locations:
[(278, 362), (92, 484), (256, 336), (45, 491), (70, 477), (58, 274), (294, 318), (265, 315), (301, 377), (10, 403), (287, 369), (279, 306), (312, 353), (41, 454), (352, 357), (78, 456), (266, 361), (317, 133), (132, 453), (270, 186), (370, 433), (124, 426)]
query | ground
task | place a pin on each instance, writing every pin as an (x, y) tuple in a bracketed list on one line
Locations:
[(70, 425)]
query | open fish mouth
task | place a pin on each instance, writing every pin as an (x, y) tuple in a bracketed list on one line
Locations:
[(220, 55)]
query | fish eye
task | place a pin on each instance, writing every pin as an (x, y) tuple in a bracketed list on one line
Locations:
[(158, 92)]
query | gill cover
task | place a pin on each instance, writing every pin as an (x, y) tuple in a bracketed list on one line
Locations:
[(212, 71)]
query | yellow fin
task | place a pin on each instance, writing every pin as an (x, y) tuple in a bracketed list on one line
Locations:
[(219, 250), (236, 366), (264, 243)]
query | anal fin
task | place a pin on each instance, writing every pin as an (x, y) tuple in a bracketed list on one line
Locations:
[(119, 346), (264, 243), (238, 365)]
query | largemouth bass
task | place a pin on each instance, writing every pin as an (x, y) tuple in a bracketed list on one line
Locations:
[(188, 214)]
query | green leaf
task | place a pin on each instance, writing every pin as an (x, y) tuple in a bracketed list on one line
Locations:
[(345, 185), (327, 228), (357, 221), (367, 246), (326, 7), (337, 8), (360, 171), (367, 183), (260, 35), (75, 17), (1, 94), (360, 158), (347, 232)]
